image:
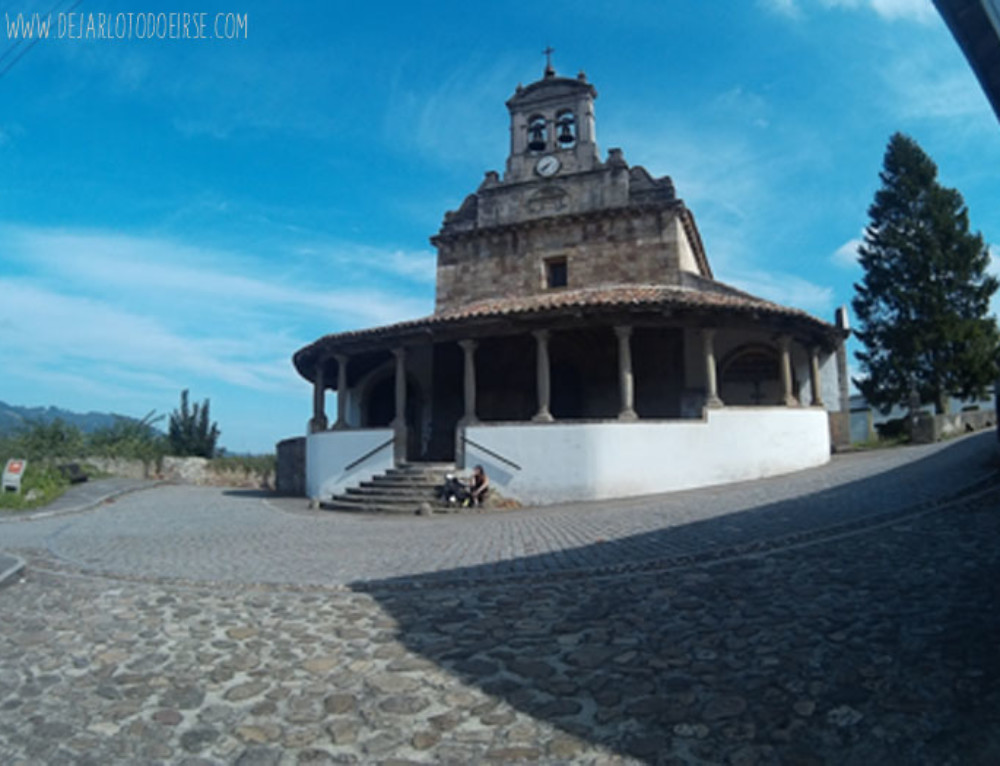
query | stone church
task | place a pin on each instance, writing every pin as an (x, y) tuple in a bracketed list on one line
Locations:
[(580, 345)]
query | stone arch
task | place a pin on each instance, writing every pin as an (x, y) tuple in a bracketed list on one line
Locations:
[(566, 130), (538, 133), (750, 375)]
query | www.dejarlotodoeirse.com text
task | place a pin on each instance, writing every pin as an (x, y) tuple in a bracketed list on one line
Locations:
[(126, 26)]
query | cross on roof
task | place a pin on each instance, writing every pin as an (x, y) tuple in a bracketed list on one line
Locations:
[(549, 50)]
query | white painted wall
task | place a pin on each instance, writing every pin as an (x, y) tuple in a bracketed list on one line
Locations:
[(585, 461), (328, 453)]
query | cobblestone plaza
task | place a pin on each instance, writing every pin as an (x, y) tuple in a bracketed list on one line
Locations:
[(845, 614)]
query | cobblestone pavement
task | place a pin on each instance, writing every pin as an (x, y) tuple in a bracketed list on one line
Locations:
[(874, 641), (207, 534)]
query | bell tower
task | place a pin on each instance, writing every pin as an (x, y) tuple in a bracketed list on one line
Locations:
[(560, 219), (551, 127)]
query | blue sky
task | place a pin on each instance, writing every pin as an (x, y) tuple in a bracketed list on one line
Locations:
[(187, 213)]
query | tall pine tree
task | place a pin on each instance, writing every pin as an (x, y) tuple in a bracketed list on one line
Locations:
[(924, 300)]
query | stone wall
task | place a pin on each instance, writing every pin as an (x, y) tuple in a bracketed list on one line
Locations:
[(127, 469), (291, 475), (840, 430), (927, 428), (185, 470)]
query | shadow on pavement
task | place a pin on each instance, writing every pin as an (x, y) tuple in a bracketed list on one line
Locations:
[(261, 493), (966, 465), (877, 647)]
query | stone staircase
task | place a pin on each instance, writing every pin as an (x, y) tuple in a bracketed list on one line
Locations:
[(399, 490)]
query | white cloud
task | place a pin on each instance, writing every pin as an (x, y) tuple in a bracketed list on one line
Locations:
[(417, 266), (788, 8), (846, 256), (716, 171), (921, 11), (454, 118), (786, 289), (926, 88), (744, 105), (909, 10), (124, 322), (74, 330), (155, 272)]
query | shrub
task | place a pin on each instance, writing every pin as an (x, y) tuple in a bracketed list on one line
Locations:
[(43, 483)]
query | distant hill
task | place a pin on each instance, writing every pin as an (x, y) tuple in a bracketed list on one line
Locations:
[(13, 417)]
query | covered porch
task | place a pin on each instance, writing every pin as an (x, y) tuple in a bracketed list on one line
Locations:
[(572, 404)]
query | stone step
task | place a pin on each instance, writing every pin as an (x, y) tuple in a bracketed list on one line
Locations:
[(422, 468), (400, 490), (359, 494), (403, 481), (342, 505), (394, 475), (388, 497)]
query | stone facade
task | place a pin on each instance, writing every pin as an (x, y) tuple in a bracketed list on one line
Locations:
[(631, 245)]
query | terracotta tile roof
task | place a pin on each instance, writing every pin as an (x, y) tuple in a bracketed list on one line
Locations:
[(702, 294), (620, 296)]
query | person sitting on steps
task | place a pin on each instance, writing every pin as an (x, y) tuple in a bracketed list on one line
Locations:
[(479, 486)]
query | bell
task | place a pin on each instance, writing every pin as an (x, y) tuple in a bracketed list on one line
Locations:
[(537, 141), (566, 132)]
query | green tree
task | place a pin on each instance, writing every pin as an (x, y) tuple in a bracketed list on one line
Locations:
[(131, 439), (924, 299), (191, 433), (47, 442)]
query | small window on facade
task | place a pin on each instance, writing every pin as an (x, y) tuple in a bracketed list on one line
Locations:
[(556, 274)]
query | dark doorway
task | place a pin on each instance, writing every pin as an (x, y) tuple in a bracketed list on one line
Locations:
[(505, 379), (448, 403), (379, 411)]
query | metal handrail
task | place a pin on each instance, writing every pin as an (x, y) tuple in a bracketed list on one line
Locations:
[(368, 454), (491, 453)]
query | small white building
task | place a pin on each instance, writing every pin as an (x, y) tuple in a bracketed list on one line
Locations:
[(580, 346)]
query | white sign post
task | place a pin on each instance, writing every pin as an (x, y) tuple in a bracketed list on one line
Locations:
[(12, 475)]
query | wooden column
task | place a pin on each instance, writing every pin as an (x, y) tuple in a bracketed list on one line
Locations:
[(399, 430), (342, 361), (319, 421), (711, 381), (626, 383), (400, 419), (469, 379), (544, 385), (787, 395), (814, 382)]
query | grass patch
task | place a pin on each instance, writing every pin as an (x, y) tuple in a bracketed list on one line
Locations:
[(41, 483)]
